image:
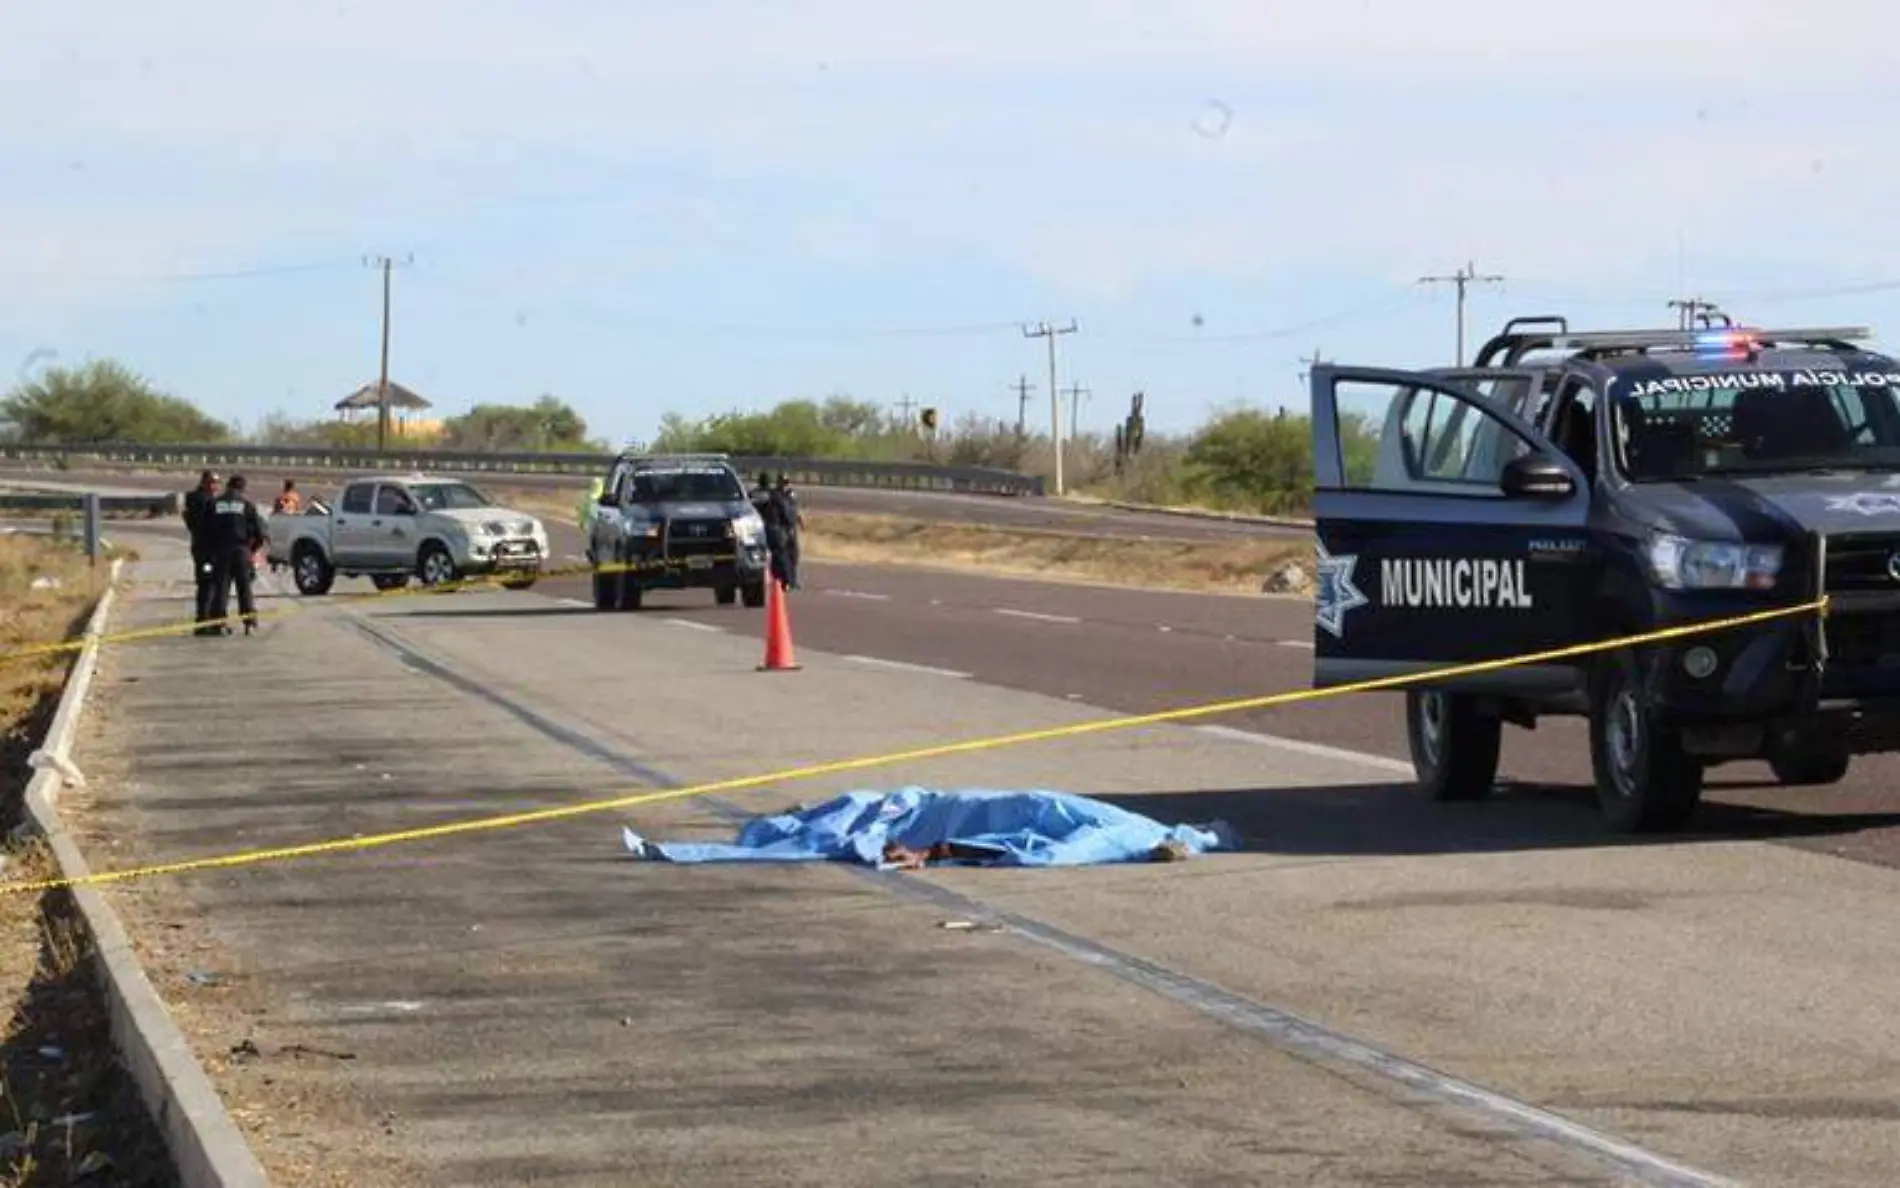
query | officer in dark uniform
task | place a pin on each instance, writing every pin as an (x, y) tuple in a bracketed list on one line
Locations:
[(197, 516), (790, 523), (237, 531)]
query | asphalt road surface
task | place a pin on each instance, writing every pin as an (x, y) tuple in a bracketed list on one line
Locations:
[(1144, 651), (1375, 990), (1050, 515)]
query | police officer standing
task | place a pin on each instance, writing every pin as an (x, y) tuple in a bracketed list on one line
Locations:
[(791, 523), (197, 516), (237, 531)]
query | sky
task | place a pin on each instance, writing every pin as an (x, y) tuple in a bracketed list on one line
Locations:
[(645, 208)]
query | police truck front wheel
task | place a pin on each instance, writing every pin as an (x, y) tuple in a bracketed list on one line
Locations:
[(1646, 782), (434, 566), (311, 571), (1454, 745), (754, 594)]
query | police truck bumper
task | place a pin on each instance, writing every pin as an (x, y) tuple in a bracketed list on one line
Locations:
[(1804, 678)]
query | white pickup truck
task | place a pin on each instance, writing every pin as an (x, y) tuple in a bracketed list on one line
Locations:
[(390, 528)]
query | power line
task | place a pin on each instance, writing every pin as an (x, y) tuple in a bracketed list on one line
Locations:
[(382, 383), (1050, 332), (1690, 310), (1076, 394), (1022, 387), (1463, 278)]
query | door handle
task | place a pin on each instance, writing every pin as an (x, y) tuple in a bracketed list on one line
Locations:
[(342, 523), (375, 523)]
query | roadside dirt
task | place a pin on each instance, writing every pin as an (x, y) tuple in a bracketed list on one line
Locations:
[(68, 1112), (291, 1098)]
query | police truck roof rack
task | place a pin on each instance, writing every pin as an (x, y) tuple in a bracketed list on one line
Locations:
[(1515, 344), (644, 456)]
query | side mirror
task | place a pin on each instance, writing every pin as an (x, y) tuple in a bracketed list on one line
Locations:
[(1536, 476)]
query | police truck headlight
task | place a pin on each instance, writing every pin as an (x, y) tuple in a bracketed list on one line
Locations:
[(749, 528), (1678, 563)]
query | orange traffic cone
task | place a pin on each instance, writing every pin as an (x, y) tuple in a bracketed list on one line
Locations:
[(778, 631)]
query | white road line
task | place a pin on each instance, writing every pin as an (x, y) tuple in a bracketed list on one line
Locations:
[(1036, 615), (575, 602), (691, 625), (1306, 748), (901, 666), (867, 596), (1303, 644)]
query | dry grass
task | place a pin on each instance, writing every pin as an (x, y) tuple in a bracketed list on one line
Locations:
[(1234, 565), (1222, 566), (67, 1112)]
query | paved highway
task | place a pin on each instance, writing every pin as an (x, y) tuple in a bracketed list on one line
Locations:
[(1045, 514), (1141, 651), (530, 1004)]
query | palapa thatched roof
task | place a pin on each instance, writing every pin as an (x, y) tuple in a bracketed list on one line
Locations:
[(365, 397)]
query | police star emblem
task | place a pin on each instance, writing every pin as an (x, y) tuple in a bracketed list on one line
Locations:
[(1336, 594)]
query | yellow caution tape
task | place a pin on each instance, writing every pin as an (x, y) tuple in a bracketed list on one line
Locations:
[(834, 767)]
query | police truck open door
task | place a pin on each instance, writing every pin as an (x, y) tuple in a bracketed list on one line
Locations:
[(1448, 529)]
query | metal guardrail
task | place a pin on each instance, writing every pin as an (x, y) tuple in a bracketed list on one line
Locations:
[(810, 472), (159, 503)]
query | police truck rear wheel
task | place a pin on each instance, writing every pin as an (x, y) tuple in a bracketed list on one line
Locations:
[(606, 592), (1646, 782), (1454, 746), (1810, 768)]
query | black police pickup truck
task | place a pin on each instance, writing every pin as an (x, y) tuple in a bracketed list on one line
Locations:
[(1575, 487)]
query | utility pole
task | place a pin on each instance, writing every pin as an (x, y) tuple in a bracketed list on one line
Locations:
[(1022, 388), (1691, 309), (382, 382), (1463, 278), (1050, 332), (904, 408), (1076, 394), (1313, 360)]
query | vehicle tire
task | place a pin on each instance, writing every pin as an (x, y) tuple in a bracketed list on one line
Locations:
[(519, 584), (1810, 768), (753, 593), (1454, 746), (311, 571), (606, 591), (390, 581), (1645, 781), (725, 595), (629, 593), (435, 566)]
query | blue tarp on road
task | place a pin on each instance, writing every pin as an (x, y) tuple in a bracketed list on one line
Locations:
[(993, 828)]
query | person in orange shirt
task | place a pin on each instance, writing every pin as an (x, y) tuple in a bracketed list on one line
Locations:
[(288, 501)]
